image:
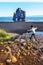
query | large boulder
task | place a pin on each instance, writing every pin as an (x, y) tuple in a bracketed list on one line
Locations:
[(19, 15)]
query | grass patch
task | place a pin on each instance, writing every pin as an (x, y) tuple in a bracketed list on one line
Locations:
[(4, 35)]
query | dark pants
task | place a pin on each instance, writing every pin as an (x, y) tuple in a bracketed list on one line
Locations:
[(33, 35)]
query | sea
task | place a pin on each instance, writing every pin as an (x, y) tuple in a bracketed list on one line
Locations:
[(27, 19)]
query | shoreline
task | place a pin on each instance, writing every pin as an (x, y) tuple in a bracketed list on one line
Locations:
[(18, 27)]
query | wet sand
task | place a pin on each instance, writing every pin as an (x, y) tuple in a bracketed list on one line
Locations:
[(20, 27)]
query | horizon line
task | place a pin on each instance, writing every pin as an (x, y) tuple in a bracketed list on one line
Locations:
[(26, 16)]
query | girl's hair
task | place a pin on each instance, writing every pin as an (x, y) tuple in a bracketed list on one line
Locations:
[(31, 26)]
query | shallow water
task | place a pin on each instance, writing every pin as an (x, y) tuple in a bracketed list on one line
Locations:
[(37, 32)]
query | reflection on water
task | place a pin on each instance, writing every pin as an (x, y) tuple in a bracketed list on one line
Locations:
[(37, 32)]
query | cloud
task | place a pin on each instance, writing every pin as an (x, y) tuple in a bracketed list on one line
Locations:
[(21, 0)]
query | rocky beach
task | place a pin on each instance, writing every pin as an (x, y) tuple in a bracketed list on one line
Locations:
[(20, 50), (21, 32)]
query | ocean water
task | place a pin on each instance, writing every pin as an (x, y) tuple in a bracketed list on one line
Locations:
[(6, 19), (28, 19), (34, 19)]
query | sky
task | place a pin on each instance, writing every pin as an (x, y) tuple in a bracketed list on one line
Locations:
[(21, 0), (31, 8)]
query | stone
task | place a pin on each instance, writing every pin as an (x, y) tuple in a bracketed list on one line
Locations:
[(13, 59), (8, 60)]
